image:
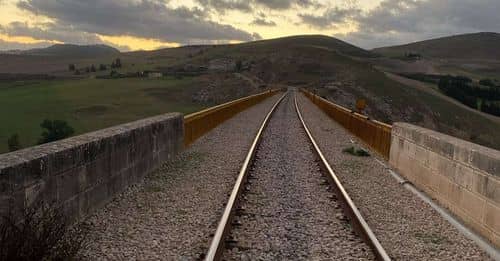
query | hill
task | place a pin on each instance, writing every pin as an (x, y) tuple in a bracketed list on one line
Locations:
[(466, 46), (321, 41), (72, 50), (335, 69)]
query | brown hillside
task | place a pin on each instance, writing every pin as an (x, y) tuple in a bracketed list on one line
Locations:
[(466, 46)]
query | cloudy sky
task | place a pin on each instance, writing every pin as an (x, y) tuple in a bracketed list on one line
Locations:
[(151, 24)]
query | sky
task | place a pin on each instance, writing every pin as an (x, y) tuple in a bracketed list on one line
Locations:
[(152, 24)]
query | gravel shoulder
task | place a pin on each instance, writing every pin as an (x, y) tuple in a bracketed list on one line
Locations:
[(406, 226), (173, 212), (289, 211)]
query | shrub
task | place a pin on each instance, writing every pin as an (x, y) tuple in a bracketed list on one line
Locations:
[(356, 152), (487, 82), (55, 130), (71, 67), (39, 233), (102, 67), (239, 66), (13, 143), (116, 63), (92, 68)]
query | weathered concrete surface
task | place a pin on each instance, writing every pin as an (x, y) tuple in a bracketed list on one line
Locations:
[(462, 176), (81, 173)]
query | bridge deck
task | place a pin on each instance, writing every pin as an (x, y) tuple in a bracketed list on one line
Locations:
[(173, 214), (407, 228)]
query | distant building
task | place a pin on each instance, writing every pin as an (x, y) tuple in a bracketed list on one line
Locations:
[(222, 64), (155, 74)]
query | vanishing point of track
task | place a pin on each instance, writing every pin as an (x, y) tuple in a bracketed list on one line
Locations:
[(221, 239)]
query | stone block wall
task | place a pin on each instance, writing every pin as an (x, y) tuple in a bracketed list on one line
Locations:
[(83, 172), (462, 176)]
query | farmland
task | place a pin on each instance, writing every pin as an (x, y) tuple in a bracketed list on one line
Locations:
[(334, 69), (88, 104)]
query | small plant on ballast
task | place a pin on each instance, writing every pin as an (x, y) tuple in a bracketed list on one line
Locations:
[(356, 152)]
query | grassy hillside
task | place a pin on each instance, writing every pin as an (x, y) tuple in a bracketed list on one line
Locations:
[(329, 67), (71, 50), (86, 104), (320, 41), (335, 69), (466, 46)]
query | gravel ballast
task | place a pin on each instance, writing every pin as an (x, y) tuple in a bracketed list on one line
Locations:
[(289, 212), (407, 227), (173, 212)]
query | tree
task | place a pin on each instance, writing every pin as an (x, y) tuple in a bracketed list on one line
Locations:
[(239, 66), (92, 68), (487, 82), (118, 63), (14, 143), (55, 130), (71, 67)]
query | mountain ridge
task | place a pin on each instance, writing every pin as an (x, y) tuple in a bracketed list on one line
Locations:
[(482, 45), (73, 50)]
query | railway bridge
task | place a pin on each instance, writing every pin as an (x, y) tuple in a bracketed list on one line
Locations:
[(280, 175)]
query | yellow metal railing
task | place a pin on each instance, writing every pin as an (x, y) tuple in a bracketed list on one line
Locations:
[(199, 123), (375, 134)]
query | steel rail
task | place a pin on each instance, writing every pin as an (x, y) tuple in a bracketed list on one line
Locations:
[(218, 241), (358, 222)]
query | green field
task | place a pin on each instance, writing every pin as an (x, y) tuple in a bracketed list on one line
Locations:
[(88, 104)]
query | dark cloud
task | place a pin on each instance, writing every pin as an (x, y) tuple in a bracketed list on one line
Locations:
[(248, 6), (402, 21), (276, 4), (286, 4), (256, 36), (263, 22), (332, 17), (146, 18), (50, 32), (221, 6)]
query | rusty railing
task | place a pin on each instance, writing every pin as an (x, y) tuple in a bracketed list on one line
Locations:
[(375, 134), (199, 123)]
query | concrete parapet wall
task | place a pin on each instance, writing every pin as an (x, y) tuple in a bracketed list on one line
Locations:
[(462, 176), (83, 172)]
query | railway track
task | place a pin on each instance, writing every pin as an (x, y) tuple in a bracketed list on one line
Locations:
[(287, 202)]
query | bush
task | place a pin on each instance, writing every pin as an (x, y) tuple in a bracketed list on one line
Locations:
[(116, 63), (482, 97), (102, 67), (55, 130), (92, 68), (487, 82), (13, 143), (239, 66), (71, 67), (39, 233), (356, 152)]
